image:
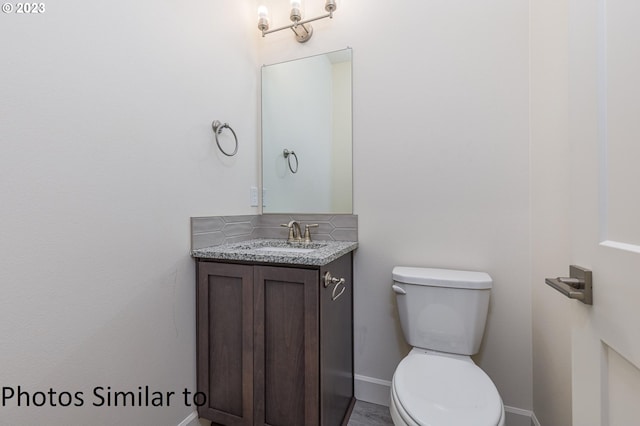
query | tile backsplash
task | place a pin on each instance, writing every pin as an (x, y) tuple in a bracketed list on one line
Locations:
[(216, 230)]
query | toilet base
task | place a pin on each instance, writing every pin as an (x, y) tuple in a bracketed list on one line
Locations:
[(399, 420), (400, 417)]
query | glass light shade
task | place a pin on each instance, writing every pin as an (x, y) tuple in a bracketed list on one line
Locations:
[(330, 5)]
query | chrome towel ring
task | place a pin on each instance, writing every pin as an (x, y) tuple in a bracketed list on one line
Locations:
[(217, 129), (288, 154)]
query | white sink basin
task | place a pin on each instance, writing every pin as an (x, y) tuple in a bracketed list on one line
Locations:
[(287, 249)]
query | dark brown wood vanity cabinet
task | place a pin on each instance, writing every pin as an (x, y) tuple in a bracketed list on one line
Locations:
[(275, 346)]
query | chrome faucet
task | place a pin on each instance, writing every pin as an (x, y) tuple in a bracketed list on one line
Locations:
[(295, 234)]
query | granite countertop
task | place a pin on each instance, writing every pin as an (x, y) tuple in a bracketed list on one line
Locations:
[(275, 251)]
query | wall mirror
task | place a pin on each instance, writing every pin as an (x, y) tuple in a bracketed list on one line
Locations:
[(307, 136)]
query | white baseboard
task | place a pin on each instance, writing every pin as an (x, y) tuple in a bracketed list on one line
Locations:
[(190, 420), (534, 420), (377, 391), (370, 389), (518, 417)]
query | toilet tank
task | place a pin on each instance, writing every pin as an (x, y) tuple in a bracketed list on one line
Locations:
[(442, 309)]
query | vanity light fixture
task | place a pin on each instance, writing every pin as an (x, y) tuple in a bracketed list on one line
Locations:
[(301, 28)]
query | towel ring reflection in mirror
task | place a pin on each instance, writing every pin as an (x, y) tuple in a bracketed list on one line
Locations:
[(217, 129), (288, 154)]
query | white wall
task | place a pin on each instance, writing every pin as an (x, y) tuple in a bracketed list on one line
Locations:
[(106, 151), (550, 197), (441, 163)]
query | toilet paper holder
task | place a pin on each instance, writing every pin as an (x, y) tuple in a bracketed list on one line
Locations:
[(578, 285)]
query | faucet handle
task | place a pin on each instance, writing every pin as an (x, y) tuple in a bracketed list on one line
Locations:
[(291, 237), (307, 232)]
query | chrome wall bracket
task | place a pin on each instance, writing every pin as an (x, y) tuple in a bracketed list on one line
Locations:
[(578, 285)]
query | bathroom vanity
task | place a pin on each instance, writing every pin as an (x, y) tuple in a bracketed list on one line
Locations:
[(275, 333), (275, 319)]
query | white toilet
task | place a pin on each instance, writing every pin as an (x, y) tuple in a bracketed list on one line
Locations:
[(443, 314)]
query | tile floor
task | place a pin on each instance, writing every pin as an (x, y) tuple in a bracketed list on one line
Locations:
[(367, 414)]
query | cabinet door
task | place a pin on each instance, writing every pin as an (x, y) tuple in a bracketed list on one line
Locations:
[(286, 383), (225, 342), (336, 342)]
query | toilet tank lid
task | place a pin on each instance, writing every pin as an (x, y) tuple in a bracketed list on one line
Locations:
[(442, 277)]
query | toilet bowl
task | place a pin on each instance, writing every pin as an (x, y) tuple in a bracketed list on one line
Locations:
[(432, 389), (443, 314)]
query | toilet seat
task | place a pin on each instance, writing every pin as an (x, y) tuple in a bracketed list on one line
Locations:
[(433, 389)]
